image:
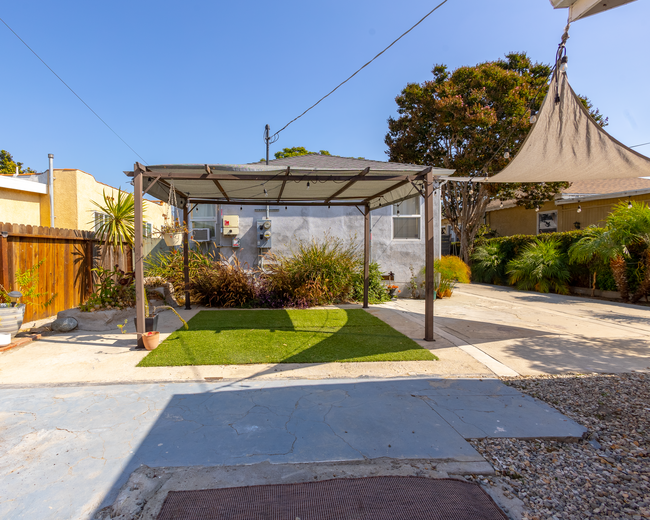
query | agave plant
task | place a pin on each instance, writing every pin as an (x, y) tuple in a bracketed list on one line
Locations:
[(488, 262), (541, 266)]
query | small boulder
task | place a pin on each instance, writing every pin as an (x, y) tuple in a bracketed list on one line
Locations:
[(64, 324)]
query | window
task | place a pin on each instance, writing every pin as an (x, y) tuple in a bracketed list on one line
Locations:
[(547, 222), (100, 218), (204, 216), (147, 230), (406, 219)]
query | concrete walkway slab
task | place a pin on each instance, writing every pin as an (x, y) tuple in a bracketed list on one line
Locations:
[(68, 450)]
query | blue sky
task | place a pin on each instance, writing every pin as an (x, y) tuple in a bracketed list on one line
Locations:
[(196, 81)]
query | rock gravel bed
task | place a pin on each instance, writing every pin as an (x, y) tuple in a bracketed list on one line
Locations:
[(606, 475)]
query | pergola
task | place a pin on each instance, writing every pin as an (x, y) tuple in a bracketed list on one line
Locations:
[(377, 185)]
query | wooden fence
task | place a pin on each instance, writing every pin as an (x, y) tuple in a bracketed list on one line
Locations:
[(65, 275)]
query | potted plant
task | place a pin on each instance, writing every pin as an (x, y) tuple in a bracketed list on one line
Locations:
[(150, 319), (172, 232), (151, 339), (11, 315), (392, 290)]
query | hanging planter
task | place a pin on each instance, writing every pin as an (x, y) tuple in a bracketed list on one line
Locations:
[(173, 239)]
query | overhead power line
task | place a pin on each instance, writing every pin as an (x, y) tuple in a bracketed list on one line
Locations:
[(70, 89), (637, 145), (360, 69)]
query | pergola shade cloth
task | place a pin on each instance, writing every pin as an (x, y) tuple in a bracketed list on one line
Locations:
[(261, 184), (566, 144)]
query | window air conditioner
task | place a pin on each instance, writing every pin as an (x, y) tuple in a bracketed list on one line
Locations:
[(201, 235)]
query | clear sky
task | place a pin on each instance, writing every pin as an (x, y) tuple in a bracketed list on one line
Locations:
[(196, 81)]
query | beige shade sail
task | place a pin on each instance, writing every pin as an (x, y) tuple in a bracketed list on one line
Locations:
[(566, 144)]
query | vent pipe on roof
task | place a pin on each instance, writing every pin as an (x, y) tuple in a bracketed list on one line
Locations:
[(51, 188)]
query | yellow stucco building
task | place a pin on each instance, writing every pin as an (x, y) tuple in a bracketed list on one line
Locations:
[(594, 200), (24, 199)]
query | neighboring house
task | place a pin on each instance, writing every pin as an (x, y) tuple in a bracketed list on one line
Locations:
[(397, 233), (24, 199), (595, 199)]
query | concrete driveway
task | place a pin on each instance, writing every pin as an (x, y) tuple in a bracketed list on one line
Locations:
[(515, 332)]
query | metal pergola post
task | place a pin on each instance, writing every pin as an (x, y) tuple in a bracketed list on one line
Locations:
[(366, 254), (138, 252), (429, 257)]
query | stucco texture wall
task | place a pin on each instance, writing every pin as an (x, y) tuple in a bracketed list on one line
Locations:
[(74, 193), (291, 225), (21, 207)]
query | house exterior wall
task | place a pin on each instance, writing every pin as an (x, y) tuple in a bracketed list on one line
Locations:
[(21, 207), (74, 191), (294, 224), (520, 221)]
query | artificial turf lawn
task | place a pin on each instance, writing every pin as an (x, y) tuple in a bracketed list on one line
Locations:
[(240, 337)]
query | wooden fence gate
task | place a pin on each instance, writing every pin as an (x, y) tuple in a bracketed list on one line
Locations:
[(65, 259)]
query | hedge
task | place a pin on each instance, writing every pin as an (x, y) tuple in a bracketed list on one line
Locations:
[(581, 274)]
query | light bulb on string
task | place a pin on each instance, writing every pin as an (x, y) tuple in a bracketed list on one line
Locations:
[(564, 64), (501, 205), (241, 208), (629, 204), (285, 208), (579, 208), (506, 154), (533, 117), (266, 193), (308, 184), (398, 209), (536, 208)]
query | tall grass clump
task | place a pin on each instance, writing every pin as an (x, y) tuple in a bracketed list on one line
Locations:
[(169, 266), (541, 266), (312, 273), (223, 284), (377, 291)]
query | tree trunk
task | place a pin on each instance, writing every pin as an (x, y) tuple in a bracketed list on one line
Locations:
[(644, 286), (619, 271), (129, 260)]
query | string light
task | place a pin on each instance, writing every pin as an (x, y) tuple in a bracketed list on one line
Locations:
[(579, 208), (501, 205), (564, 64), (629, 204), (398, 209), (241, 208), (536, 208), (266, 193), (533, 117), (308, 184), (285, 208), (506, 155)]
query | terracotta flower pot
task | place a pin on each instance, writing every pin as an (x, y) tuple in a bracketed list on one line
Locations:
[(150, 340)]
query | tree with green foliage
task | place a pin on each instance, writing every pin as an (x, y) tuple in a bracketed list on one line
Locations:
[(295, 152), (465, 120), (9, 166)]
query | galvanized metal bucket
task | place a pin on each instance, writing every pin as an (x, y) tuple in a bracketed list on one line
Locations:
[(11, 318)]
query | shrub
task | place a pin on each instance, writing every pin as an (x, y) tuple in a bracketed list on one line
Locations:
[(453, 268), (377, 291), (169, 266), (222, 284), (114, 290), (314, 273), (541, 266), (488, 262)]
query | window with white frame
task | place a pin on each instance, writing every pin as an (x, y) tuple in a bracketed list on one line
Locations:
[(546, 222), (406, 219), (100, 219), (147, 230), (204, 216)]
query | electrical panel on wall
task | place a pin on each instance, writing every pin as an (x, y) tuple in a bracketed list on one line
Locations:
[(264, 234), (230, 225), (235, 242)]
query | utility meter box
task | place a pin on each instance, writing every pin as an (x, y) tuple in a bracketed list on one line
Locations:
[(264, 234), (230, 225)]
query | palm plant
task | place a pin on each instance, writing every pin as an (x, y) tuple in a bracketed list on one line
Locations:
[(542, 267), (625, 227), (117, 228), (488, 262)]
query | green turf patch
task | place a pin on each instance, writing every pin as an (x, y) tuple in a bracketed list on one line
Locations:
[(240, 337)]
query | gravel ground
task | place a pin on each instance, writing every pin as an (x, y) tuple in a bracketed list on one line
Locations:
[(604, 476)]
